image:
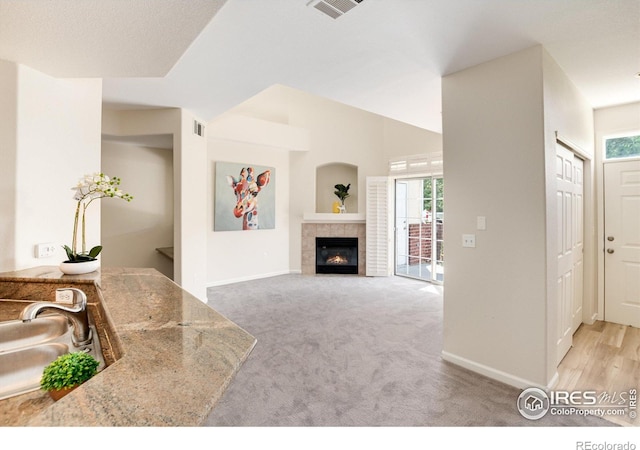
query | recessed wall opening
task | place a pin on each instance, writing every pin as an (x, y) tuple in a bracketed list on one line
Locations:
[(327, 176), (139, 233)]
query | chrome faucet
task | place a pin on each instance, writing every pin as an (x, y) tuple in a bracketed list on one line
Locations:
[(76, 313)]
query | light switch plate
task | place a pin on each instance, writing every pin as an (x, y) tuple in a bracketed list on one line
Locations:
[(481, 223)]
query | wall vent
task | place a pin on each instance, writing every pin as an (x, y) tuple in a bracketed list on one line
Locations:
[(336, 8), (198, 128)]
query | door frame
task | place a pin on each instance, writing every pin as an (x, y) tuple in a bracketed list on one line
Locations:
[(599, 232), (605, 244)]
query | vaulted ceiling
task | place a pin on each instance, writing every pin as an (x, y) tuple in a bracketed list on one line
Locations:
[(383, 56)]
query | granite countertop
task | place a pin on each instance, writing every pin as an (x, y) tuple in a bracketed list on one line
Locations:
[(178, 354)]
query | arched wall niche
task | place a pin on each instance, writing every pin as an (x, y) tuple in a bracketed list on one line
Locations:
[(327, 176)]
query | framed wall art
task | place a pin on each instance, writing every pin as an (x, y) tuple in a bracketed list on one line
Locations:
[(244, 197)]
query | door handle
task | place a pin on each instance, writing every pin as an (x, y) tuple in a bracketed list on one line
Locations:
[(610, 250)]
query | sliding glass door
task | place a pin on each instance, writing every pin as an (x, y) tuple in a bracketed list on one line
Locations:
[(419, 225)]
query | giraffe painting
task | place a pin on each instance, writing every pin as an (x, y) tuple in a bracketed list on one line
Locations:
[(238, 209)]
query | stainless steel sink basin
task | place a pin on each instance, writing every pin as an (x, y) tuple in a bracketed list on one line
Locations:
[(26, 348), (16, 333), (21, 370)]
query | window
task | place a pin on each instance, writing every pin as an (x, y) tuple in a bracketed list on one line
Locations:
[(622, 147)]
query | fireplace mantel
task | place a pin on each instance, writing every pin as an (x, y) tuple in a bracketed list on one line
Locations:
[(333, 218)]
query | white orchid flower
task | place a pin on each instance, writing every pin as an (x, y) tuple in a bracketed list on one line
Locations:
[(89, 188)]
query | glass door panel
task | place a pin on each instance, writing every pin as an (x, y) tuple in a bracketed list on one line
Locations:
[(419, 225)]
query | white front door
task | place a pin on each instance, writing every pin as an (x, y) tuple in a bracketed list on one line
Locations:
[(622, 242), (570, 239)]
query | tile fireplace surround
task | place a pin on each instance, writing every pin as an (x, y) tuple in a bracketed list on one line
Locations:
[(310, 231)]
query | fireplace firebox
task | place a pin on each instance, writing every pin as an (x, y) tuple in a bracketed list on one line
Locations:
[(337, 255)]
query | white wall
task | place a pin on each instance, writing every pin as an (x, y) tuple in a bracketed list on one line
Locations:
[(567, 115), (340, 133), (494, 301), (56, 141), (8, 153), (131, 231), (401, 139), (500, 123), (235, 256), (609, 122), (190, 185)]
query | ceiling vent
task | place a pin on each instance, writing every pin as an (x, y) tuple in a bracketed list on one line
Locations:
[(198, 128), (336, 8)]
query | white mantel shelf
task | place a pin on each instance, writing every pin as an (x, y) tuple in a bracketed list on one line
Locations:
[(333, 218)]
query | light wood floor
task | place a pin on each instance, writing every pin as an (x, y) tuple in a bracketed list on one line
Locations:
[(605, 357)]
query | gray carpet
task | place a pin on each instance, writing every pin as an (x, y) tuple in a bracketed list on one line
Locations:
[(354, 351)]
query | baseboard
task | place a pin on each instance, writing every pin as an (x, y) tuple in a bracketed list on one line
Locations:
[(490, 372), (554, 381), (251, 278)]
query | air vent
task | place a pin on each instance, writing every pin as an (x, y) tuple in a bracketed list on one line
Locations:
[(328, 10), (336, 8), (198, 128), (342, 5)]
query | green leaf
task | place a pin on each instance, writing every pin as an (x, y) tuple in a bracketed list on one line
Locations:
[(70, 254), (82, 258), (95, 251)]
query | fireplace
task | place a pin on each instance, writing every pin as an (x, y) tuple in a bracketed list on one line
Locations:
[(337, 255)]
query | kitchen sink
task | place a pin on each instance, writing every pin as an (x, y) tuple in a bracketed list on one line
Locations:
[(26, 348), (16, 333)]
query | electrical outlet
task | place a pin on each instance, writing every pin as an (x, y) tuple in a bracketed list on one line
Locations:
[(469, 240), (64, 296), (45, 250)]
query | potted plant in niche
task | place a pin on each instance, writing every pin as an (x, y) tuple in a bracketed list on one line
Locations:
[(67, 372), (88, 189), (342, 192)]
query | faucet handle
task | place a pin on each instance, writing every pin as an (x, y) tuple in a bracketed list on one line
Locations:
[(71, 296)]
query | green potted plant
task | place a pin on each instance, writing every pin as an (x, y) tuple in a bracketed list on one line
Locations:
[(342, 192), (67, 372), (88, 189)]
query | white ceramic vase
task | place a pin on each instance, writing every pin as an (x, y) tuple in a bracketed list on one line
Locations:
[(78, 268)]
